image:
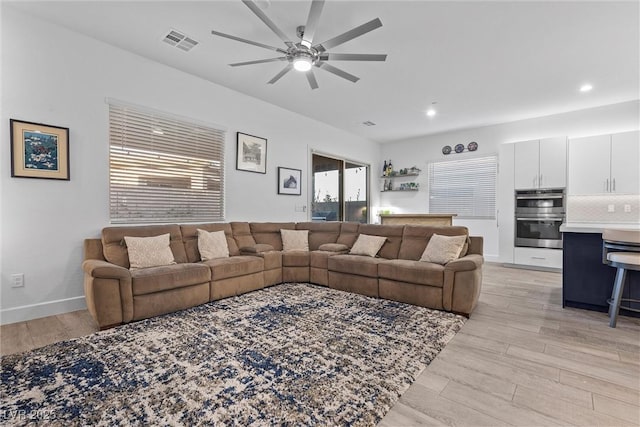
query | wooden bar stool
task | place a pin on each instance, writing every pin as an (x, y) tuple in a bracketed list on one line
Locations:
[(620, 249)]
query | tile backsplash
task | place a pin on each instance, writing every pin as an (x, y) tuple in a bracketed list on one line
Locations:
[(596, 208)]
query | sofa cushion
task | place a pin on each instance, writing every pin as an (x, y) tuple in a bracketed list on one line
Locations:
[(393, 233), (269, 232), (320, 232), (295, 240), (115, 249), (235, 266), (156, 279), (295, 259), (443, 249), (190, 238), (242, 234), (367, 245), (354, 264), (418, 272), (416, 237), (147, 252), (348, 233)]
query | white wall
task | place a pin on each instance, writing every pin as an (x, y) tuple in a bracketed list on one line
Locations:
[(55, 76), (420, 151)]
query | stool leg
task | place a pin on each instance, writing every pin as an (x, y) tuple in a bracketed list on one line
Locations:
[(621, 275)]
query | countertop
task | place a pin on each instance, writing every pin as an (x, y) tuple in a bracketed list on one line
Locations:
[(596, 227)]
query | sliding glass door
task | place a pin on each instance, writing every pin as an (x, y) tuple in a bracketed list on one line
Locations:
[(340, 190)]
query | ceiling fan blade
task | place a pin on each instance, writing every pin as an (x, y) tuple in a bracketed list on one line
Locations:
[(312, 79), (352, 57), (264, 18), (337, 71), (349, 35), (228, 36), (259, 61), (284, 71), (312, 22)]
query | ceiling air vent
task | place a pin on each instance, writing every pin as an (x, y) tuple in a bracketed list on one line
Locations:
[(368, 123), (180, 40)]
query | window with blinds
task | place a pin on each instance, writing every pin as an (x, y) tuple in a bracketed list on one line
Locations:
[(466, 187), (163, 169)]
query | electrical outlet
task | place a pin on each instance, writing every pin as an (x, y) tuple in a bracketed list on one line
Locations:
[(627, 208), (611, 208), (17, 280), (300, 208)]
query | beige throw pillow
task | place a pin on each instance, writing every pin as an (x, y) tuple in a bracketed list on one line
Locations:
[(212, 245), (295, 240), (149, 251), (443, 249), (367, 245)]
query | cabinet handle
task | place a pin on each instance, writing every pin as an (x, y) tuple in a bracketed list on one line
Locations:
[(607, 185), (540, 180), (537, 257), (614, 185)]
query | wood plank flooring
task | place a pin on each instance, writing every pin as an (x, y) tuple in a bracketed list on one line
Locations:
[(521, 359)]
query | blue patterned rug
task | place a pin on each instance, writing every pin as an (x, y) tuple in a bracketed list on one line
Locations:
[(292, 354)]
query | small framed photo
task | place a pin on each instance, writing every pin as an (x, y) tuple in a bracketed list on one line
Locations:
[(252, 153), (289, 181), (39, 150)]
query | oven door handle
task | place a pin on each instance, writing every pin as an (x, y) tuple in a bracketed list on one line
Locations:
[(537, 218), (539, 196)]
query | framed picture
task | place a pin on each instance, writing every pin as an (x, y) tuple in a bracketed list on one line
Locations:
[(289, 181), (39, 150), (252, 153)]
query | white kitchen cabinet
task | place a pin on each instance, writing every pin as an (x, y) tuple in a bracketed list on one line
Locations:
[(538, 257), (605, 164), (625, 163), (553, 163), (540, 163)]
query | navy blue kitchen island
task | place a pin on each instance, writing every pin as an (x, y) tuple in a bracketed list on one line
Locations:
[(587, 282)]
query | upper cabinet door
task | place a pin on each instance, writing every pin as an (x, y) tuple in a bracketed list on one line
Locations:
[(625, 163), (589, 165), (553, 163), (526, 165)]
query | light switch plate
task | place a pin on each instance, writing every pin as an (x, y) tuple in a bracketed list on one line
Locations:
[(611, 208)]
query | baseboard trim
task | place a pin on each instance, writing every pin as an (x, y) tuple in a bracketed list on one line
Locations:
[(43, 309)]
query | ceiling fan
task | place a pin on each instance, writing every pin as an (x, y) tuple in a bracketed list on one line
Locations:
[(302, 56)]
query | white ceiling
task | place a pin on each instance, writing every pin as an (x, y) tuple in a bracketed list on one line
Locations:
[(482, 62)]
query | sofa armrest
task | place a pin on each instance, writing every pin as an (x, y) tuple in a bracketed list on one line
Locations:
[(256, 249), (466, 263), (462, 283), (108, 292), (105, 270)]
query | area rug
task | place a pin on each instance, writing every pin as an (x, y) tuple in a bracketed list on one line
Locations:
[(292, 354)]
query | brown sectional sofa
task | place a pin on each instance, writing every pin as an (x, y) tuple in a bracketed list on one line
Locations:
[(115, 294)]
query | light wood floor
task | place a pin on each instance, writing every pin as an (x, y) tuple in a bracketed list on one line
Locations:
[(519, 360)]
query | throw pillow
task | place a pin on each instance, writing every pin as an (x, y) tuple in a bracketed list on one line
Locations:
[(212, 245), (367, 245), (295, 240), (443, 249), (149, 251)]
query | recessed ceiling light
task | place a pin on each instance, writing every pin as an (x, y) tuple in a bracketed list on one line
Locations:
[(431, 112), (586, 87)]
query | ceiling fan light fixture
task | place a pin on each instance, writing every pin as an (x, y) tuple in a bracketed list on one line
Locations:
[(302, 63)]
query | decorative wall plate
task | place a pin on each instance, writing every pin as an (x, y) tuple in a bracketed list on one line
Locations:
[(446, 149), (473, 146), (459, 148)]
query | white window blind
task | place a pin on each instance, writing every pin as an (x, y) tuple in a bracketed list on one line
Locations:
[(466, 187), (163, 169)]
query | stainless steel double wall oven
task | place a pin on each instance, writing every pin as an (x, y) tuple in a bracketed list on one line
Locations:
[(539, 214)]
